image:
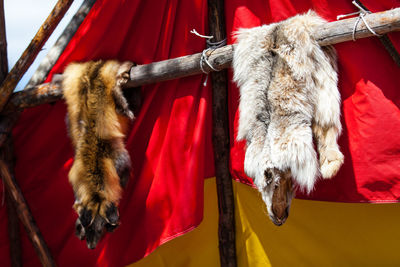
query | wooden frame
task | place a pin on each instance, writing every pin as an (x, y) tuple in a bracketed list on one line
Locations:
[(220, 58)]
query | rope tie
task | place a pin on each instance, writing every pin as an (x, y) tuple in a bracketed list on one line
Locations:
[(361, 16), (211, 46)]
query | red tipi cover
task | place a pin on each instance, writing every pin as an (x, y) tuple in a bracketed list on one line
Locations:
[(170, 143)]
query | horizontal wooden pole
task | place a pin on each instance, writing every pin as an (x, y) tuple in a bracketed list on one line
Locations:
[(220, 58), (342, 30), (34, 96)]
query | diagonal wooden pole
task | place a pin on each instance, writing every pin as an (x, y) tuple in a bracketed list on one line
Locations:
[(221, 141), (386, 42), (11, 116), (12, 111), (55, 52), (25, 216), (32, 50)]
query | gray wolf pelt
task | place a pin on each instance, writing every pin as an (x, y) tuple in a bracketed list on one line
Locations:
[(98, 119), (288, 95)]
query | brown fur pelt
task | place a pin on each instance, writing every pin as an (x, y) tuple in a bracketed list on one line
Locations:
[(98, 119)]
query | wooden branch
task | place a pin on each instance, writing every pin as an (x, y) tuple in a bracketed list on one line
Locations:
[(32, 50), (387, 43), (13, 232), (221, 144), (25, 216), (54, 53), (31, 97), (6, 125), (3, 45), (221, 58), (7, 154), (342, 30)]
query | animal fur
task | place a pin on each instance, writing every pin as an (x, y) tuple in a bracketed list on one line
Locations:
[(288, 95), (98, 119)]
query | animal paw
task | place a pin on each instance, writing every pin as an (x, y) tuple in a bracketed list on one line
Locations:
[(94, 221), (330, 163)]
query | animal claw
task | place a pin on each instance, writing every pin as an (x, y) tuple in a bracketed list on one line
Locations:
[(91, 224)]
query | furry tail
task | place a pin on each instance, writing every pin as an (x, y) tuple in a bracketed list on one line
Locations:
[(327, 126)]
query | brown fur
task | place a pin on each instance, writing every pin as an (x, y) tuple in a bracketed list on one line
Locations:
[(281, 198), (92, 91)]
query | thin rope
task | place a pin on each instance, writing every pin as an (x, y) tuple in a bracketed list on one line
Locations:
[(353, 34), (361, 16), (347, 15), (216, 44), (204, 58), (368, 27), (200, 35)]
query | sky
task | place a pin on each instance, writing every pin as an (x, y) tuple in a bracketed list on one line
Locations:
[(23, 20)]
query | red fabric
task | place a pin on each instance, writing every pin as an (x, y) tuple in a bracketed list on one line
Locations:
[(369, 88), (170, 143)]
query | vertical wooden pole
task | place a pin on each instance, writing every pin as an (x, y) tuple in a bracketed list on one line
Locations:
[(13, 232), (12, 216), (3, 45), (7, 156), (226, 227)]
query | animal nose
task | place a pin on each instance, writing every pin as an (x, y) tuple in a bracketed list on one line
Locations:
[(280, 215), (280, 212)]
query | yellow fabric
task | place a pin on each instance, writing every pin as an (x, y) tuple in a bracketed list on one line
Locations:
[(198, 248), (315, 234)]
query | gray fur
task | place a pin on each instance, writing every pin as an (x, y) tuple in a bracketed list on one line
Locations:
[(288, 96)]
